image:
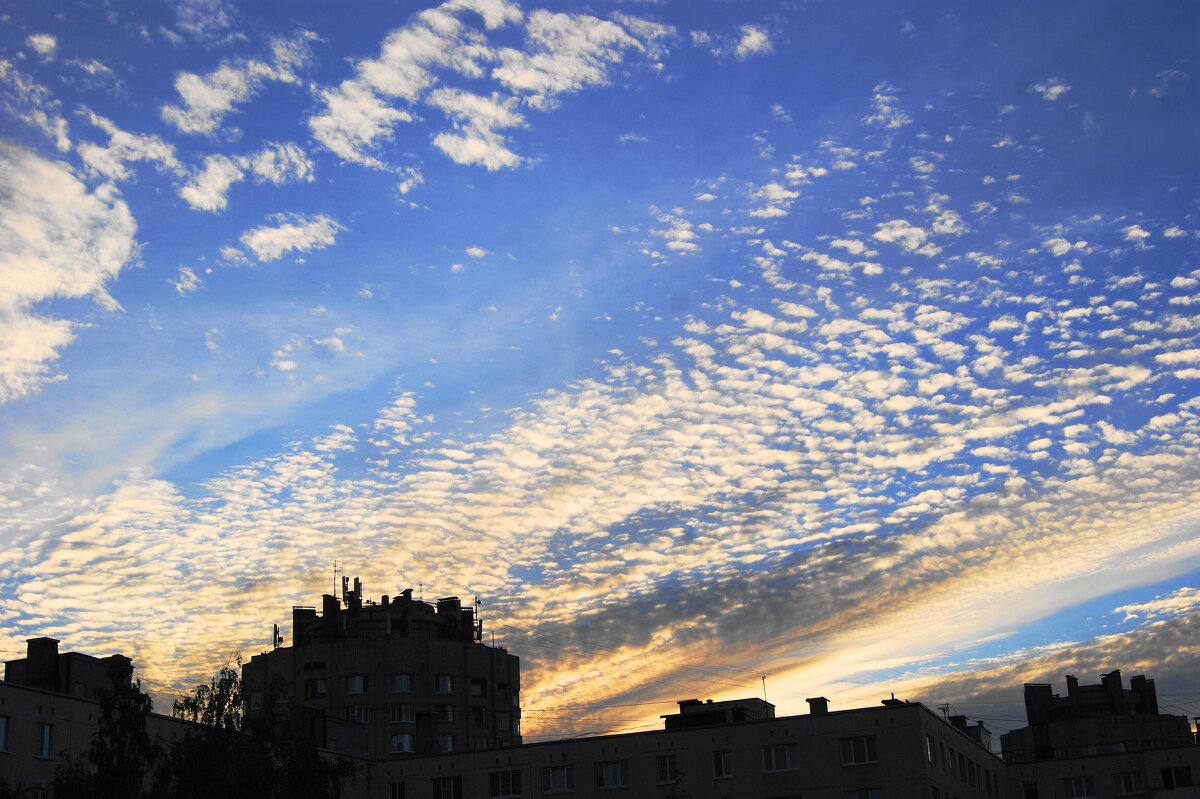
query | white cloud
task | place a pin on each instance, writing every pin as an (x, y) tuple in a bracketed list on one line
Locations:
[(281, 163), (909, 236), (123, 147), (1135, 233), (207, 190), (187, 281), (206, 99), (412, 178), (776, 199), (57, 239), (42, 43), (476, 252), (1050, 89), (204, 19), (1174, 232), (886, 111), (295, 233), (754, 40), (476, 120)]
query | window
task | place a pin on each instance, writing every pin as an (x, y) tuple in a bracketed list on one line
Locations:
[(359, 714), (3, 733), (44, 733), (930, 750), (780, 757), (556, 779), (401, 683), (447, 788), (504, 784), (356, 684), (612, 773), (1079, 787), (479, 716), (446, 742), (444, 684), (859, 750), (480, 742), (403, 714), (1029, 791), (1128, 782), (314, 689), (478, 686), (402, 743), (444, 712), (256, 700), (1177, 777), (395, 790), (722, 760), (665, 767), (863, 793)]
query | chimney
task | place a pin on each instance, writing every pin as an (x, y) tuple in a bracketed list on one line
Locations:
[(817, 705), (41, 663)]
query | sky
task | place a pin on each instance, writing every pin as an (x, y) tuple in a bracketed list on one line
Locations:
[(814, 348)]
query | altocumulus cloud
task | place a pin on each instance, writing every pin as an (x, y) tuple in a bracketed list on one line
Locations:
[(295, 232)]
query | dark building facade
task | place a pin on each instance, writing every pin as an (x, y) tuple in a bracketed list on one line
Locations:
[(397, 676), (1101, 741)]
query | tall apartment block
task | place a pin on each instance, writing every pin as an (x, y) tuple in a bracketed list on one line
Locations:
[(393, 677)]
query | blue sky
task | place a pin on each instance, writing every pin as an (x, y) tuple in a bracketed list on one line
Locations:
[(854, 344)]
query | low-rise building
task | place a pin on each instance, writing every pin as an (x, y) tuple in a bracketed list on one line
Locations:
[(722, 750)]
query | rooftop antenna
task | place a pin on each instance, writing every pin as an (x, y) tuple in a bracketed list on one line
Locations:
[(478, 620), (276, 638), (764, 682), (421, 591), (945, 708), (336, 563)]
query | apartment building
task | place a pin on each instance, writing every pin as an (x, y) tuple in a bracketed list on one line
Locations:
[(722, 750), (395, 676)]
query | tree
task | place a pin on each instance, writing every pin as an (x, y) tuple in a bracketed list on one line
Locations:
[(121, 755), (228, 756)]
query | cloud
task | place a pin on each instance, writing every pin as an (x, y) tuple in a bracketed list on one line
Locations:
[(207, 99), (776, 199), (123, 147), (58, 239), (901, 231), (187, 281), (1050, 89), (42, 43), (886, 112), (753, 42), (476, 252), (281, 163), (292, 233), (562, 53), (207, 190), (205, 20)]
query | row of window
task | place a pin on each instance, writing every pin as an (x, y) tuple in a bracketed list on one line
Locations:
[(43, 742), (560, 779), (407, 714), (318, 687), (1124, 783), (958, 763)]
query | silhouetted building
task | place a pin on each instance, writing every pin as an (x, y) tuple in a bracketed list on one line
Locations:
[(715, 750), (49, 712), (399, 676), (1100, 741)]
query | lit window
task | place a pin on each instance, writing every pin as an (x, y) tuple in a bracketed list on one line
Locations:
[(504, 784), (859, 750), (401, 683), (665, 766), (780, 757), (556, 779), (402, 742), (356, 684), (612, 773), (722, 761), (445, 684)]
